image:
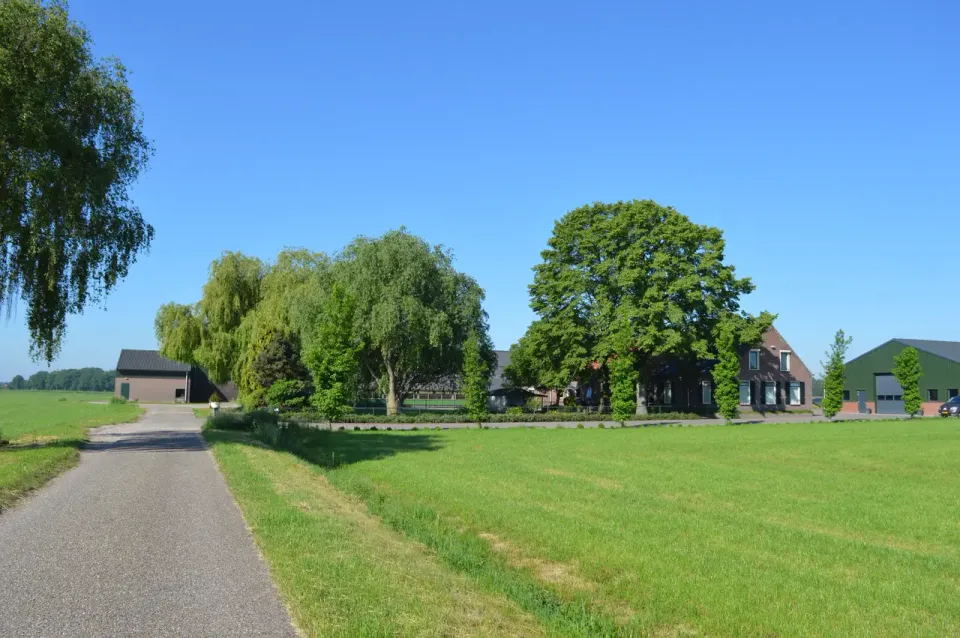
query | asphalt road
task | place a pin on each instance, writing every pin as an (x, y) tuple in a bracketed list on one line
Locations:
[(142, 538)]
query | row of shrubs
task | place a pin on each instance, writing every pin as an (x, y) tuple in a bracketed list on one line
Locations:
[(456, 417)]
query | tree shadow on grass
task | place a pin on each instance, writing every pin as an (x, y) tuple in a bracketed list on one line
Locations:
[(41, 445), (337, 448)]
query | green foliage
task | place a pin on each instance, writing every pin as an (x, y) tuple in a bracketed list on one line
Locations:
[(623, 384), (278, 359), (512, 415), (71, 147), (726, 372), (476, 379), (907, 371), (629, 276), (732, 332), (74, 380), (288, 394), (117, 400), (414, 311), (240, 420), (834, 376), (179, 331), (333, 356), (215, 397)]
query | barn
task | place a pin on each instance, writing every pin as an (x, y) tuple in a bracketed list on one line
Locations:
[(871, 387), (146, 375)]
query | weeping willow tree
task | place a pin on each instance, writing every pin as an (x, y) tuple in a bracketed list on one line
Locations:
[(71, 146), (246, 307)]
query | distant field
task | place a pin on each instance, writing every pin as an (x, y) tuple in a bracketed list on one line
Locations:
[(45, 430), (843, 529)]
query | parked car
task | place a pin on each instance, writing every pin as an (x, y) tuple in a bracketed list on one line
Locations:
[(951, 407)]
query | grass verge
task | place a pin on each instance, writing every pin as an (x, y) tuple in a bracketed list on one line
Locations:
[(46, 430), (340, 570), (788, 529)]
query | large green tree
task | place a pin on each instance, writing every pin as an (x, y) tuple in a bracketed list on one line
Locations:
[(631, 277), (71, 146), (834, 374), (18, 383), (414, 312), (209, 333), (907, 371)]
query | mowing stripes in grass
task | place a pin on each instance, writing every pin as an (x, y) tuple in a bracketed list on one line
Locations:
[(343, 573), (789, 530)]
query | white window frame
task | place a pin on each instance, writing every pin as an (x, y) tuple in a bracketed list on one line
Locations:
[(749, 385), (764, 386), (706, 393), (799, 401), (750, 363), (789, 354)]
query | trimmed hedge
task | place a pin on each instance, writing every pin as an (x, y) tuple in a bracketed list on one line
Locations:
[(526, 417)]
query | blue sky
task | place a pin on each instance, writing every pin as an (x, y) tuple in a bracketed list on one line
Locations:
[(822, 137)]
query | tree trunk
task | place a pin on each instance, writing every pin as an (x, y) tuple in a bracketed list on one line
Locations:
[(392, 403), (641, 398)]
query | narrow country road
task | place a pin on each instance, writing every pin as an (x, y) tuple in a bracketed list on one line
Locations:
[(142, 538)]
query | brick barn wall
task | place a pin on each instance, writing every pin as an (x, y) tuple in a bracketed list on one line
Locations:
[(151, 388)]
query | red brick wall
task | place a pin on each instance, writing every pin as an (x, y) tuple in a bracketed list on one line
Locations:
[(773, 344), (155, 389)]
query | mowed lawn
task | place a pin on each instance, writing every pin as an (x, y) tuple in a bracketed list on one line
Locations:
[(823, 529), (45, 430)]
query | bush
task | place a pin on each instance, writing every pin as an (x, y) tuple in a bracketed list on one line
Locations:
[(515, 411), (116, 400), (241, 421), (289, 394), (216, 398), (509, 417)]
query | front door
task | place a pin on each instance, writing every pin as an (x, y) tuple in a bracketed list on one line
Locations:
[(125, 390), (862, 401)]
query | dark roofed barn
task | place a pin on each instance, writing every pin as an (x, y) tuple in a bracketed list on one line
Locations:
[(146, 375), (871, 387)]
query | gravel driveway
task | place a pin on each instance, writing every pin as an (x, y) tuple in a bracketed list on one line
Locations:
[(142, 538)]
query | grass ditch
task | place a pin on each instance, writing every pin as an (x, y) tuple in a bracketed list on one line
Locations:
[(45, 431)]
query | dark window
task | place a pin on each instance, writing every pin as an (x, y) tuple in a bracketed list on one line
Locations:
[(933, 395), (952, 392), (846, 395), (898, 397)]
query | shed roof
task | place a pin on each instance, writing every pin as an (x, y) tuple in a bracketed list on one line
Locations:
[(945, 349), (148, 361)]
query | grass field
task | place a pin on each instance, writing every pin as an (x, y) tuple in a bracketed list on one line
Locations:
[(45, 430), (768, 530)]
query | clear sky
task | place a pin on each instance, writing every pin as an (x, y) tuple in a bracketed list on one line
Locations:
[(821, 136)]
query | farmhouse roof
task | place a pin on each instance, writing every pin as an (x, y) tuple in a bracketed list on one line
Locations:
[(148, 361)]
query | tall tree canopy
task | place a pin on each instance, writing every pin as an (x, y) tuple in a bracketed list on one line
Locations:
[(71, 146), (413, 311), (396, 305), (629, 277)]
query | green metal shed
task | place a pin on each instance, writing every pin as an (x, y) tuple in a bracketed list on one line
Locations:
[(869, 379)]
